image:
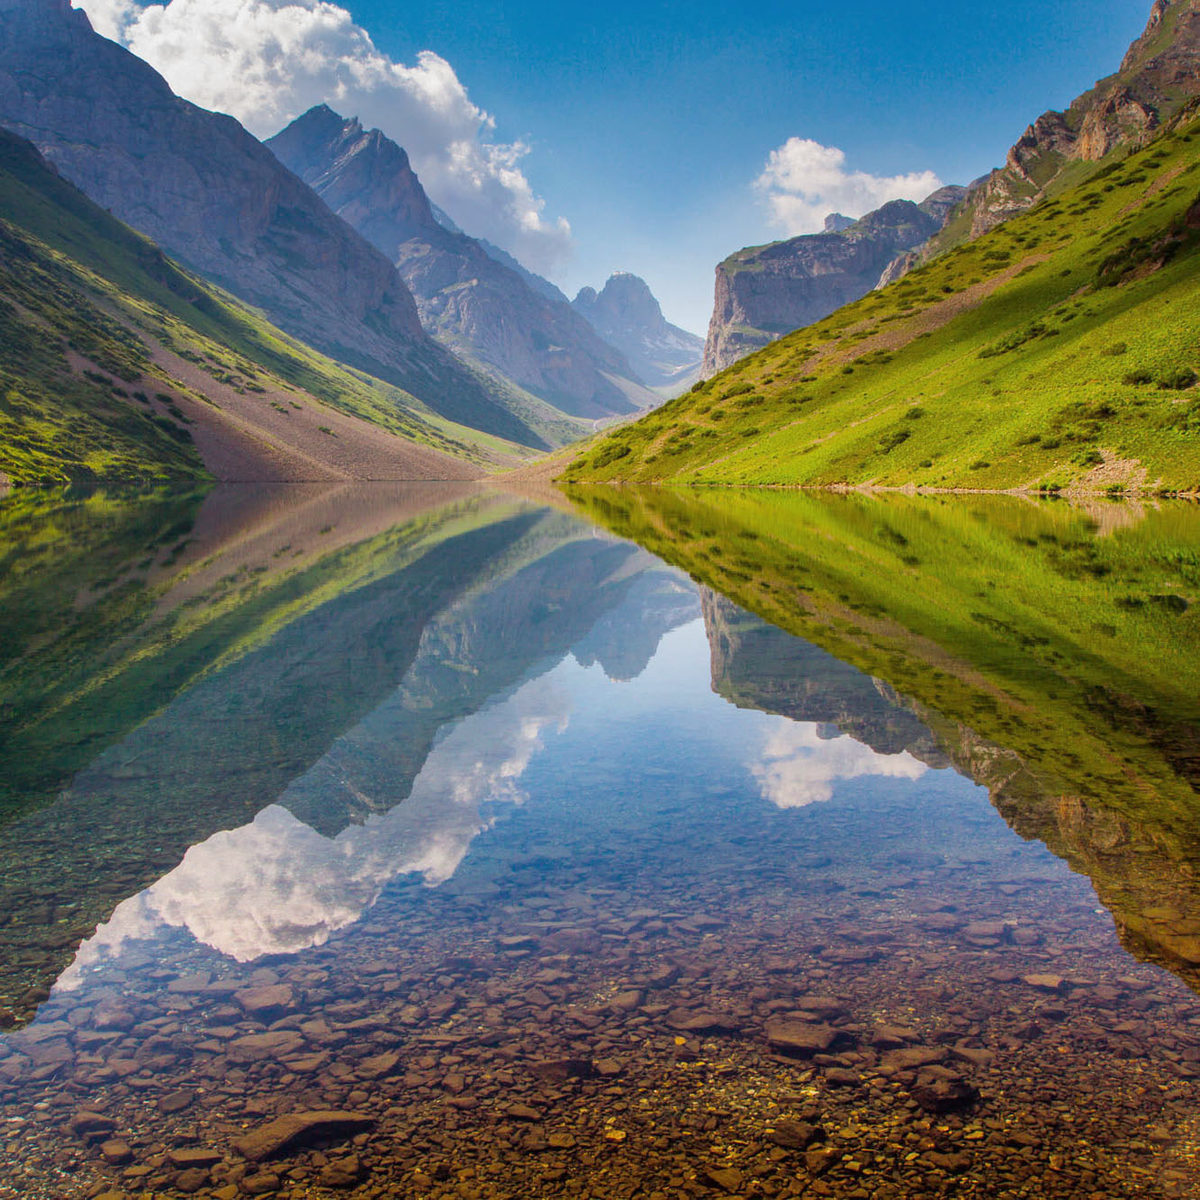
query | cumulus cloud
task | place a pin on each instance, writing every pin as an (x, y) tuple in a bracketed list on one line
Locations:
[(267, 61), (804, 182), (798, 767)]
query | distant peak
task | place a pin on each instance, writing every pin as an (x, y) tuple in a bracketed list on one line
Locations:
[(838, 223)]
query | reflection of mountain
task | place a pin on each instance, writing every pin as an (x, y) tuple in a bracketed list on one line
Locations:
[(1056, 662), (756, 665), (286, 687), (625, 639)]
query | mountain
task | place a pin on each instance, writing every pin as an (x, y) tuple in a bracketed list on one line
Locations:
[(1158, 76), (765, 292), (626, 314), (214, 198), (1056, 352), (116, 364), (469, 300)]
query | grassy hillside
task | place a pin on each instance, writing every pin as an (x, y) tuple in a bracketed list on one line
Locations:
[(85, 301), (1061, 349), (1071, 639)]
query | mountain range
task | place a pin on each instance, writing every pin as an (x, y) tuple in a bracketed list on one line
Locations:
[(476, 304), (216, 199)]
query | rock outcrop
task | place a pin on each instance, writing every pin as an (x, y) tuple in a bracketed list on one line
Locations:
[(468, 299), (1158, 76), (626, 314), (213, 197), (765, 292)]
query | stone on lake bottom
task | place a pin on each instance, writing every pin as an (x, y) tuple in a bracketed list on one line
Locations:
[(285, 1132)]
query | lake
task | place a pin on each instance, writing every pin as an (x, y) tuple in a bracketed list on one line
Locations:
[(430, 841)]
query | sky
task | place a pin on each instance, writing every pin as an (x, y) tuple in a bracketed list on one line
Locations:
[(651, 137)]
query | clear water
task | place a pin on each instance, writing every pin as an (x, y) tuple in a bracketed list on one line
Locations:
[(508, 860)]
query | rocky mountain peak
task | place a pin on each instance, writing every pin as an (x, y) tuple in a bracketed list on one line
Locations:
[(626, 314), (838, 223), (624, 301)]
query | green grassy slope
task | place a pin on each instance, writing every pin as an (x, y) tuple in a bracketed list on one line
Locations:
[(1074, 645), (1060, 349), (74, 279)]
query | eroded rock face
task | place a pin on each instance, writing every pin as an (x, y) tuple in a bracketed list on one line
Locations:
[(1158, 76), (767, 291), (626, 314), (212, 196), (466, 298)]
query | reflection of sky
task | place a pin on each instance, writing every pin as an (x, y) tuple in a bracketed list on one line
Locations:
[(276, 886), (799, 767)]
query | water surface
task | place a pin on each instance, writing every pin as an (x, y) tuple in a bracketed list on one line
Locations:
[(846, 848)]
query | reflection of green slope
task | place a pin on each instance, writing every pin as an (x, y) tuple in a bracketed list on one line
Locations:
[(1079, 652), (88, 651), (1054, 665)]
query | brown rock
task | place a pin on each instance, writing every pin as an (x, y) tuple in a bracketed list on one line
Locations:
[(912, 1058), (794, 1135), (265, 1045), (802, 1038), (559, 1070), (725, 1178), (262, 1184), (342, 1172), (267, 1003), (195, 1157), (299, 1128), (116, 1152)]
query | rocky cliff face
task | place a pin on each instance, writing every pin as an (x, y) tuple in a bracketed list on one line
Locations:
[(212, 196), (767, 291), (467, 299), (756, 665), (1158, 76), (626, 314)]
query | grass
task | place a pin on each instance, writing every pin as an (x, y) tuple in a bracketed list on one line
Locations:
[(1007, 344)]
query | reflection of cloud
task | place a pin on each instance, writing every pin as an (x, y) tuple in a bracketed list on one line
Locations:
[(276, 886), (799, 767)]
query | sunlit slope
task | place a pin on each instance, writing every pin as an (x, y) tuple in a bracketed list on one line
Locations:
[(1061, 348), (1075, 647), (98, 330)]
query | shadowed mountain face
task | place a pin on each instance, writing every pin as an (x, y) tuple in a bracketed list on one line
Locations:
[(468, 299), (626, 314), (767, 291), (212, 196)]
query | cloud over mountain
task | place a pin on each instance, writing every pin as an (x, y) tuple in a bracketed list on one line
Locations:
[(804, 182), (267, 61)]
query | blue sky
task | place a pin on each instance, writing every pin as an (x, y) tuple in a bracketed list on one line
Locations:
[(649, 122), (645, 125)]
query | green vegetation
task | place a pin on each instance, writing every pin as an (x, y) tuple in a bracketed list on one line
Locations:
[(1060, 349), (83, 299), (1069, 638)]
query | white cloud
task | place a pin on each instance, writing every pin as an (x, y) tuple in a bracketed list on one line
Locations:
[(267, 61), (804, 182), (799, 767)]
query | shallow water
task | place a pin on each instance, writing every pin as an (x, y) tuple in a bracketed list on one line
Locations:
[(507, 860)]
